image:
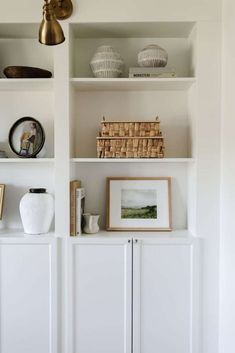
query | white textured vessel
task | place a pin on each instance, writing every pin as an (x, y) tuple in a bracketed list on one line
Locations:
[(37, 211), (107, 63), (152, 56)]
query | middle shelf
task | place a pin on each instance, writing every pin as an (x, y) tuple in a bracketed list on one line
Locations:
[(132, 84), (132, 160)]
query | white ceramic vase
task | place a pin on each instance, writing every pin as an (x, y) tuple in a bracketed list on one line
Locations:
[(91, 225), (37, 211), (152, 56), (107, 62)]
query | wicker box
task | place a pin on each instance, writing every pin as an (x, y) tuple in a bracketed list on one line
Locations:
[(130, 129), (119, 139)]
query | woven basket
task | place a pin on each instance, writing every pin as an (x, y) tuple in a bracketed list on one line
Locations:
[(125, 139), (130, 147), (130, 129)]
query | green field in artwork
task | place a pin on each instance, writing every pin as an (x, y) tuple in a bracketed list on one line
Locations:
[(148, 212)]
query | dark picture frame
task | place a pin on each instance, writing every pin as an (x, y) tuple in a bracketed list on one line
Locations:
[(31, 140)]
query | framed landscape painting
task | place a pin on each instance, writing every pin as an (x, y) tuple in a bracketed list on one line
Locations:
[(139, 204)]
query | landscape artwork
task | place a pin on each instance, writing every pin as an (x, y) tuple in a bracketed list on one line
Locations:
[(138, 204)]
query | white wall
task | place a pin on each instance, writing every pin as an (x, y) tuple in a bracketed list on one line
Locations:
[(227, 314), (109, 10)]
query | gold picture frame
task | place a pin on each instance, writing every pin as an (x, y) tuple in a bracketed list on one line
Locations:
[(138, 204), (2, 192)]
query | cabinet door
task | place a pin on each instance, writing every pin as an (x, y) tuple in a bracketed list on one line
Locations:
[(162, 296), (101, 296), (27, 296)]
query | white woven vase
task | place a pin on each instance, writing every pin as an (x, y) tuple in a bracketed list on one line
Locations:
[(152, 56), (107, 63)]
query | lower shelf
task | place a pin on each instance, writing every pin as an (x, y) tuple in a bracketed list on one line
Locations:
[(175, 234), (19, 234), (132, 160), (103, 234)]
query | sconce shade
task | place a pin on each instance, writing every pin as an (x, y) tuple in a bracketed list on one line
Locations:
[(50, 31)]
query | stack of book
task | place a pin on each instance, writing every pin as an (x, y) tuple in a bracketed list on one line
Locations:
[(77, 207), (152, 72)]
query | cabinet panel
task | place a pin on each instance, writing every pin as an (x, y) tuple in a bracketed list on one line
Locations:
[(162, 298), (26, 304), (102, 298)]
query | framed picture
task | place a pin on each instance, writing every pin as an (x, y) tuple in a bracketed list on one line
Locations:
[(138, 204), (26, 137), (2, 190)]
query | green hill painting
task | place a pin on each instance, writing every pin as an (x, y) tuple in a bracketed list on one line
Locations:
[(138, 204)]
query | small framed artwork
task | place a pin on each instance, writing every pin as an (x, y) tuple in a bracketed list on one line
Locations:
[(26, 137), (2, 190), (138, 204)]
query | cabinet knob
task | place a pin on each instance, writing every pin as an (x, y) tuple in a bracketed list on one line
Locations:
[(129, 240), (136, 240)]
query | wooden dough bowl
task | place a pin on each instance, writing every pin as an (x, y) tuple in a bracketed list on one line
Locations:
[(26, 72)]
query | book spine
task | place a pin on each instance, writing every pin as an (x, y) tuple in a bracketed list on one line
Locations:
[(74, 185), (149, 75), (151, 70), (79, 209), (78, 218)]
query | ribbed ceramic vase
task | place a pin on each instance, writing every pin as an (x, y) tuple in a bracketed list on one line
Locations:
[(152, 56), (37, 211), (107, 63)]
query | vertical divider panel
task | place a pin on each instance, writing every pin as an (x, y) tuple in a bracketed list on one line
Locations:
[(62, 169), (62, 143)]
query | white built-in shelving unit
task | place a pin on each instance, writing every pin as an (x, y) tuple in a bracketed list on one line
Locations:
[(71, 105)]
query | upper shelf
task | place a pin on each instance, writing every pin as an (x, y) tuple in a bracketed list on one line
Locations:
[(133, 29), (132, 84), (160, 29)]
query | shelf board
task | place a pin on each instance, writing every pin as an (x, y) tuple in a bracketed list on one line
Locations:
[(132, 84), (27, 160), (132, 160), (176, 235), (26, 84), (19, 234), (157, 29)]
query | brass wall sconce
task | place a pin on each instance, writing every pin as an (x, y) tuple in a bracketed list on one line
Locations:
[(50, 31)]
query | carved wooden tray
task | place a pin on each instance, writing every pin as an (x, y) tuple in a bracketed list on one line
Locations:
[(26, 72)]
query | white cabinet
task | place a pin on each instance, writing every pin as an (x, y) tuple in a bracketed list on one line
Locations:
[(101, 296), (131, 295), (162, 296), (28, 296)]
